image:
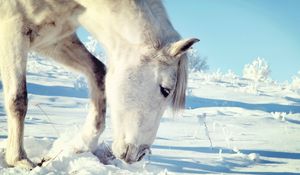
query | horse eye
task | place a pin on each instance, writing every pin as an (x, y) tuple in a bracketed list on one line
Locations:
[(165, 91)]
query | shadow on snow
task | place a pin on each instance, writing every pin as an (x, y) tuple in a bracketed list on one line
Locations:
[(295, 100), (38, 89), (264, 153), (184, 165), (196, 102)]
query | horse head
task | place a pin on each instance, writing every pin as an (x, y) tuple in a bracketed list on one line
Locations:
[(139, 88)]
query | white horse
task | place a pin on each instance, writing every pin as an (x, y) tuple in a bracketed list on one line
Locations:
[(147, 67)]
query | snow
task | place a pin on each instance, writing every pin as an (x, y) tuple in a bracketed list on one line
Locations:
[(231, 125)]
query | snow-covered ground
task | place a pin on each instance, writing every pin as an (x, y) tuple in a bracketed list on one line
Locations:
[(230, 126)]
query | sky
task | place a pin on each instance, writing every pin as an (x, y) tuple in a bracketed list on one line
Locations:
[(234, 32)]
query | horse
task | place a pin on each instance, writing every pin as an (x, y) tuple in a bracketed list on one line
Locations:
[(146, 72)]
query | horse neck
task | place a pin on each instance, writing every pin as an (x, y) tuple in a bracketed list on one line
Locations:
[(126, 24)]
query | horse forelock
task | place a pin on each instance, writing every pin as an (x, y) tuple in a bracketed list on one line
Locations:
[(178, 102)]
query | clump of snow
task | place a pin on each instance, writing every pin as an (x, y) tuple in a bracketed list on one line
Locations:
[(251, 88), (238, 158), (279, 115), (258, 70), (60, 159), (251, 157)]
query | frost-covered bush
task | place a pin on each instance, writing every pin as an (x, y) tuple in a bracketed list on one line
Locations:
[(216, 76), (224, 78), (196, 62), (295, 85), (80, 83), (258, 70), (230, 75), (93, 46)]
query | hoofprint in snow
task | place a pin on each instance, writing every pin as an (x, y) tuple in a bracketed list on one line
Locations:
[(230, 126)]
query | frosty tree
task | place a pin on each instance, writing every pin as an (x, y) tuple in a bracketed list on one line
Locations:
[(196, 62), (258, 70), (295, 85)]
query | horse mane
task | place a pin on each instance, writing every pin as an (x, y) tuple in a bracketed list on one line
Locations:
[(171, 35), (178, 102)]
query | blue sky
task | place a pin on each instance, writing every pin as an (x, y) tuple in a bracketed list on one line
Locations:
[(234, 32)]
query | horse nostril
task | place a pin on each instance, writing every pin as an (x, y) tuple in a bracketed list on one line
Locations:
[(144, 149), (141, 156), (134, 153)]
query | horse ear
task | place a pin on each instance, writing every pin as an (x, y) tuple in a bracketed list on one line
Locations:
[(180, 47)]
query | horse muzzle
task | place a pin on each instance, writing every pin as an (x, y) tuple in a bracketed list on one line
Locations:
[(134, 153)]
